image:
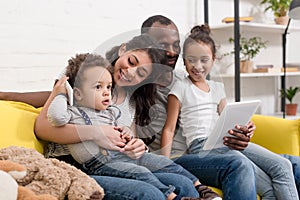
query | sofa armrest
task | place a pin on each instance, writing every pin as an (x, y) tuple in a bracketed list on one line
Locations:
[(17, 125)]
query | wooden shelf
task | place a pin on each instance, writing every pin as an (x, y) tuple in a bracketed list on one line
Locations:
[(255, 27), (271, 31), (257, 74), (297, 116)]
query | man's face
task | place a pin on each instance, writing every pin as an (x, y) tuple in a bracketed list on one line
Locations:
[(168, 38)]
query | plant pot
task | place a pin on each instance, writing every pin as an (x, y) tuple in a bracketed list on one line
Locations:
[(282, 20), (246, 66), (291, 109)]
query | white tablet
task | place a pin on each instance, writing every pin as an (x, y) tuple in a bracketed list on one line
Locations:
[(236, 113)]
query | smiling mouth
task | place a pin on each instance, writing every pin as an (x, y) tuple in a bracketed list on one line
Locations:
[(198, 73), (122, 76), (172, 60)]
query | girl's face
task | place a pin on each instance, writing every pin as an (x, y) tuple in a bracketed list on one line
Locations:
[(132, 68), (95, 89), (198, 61)]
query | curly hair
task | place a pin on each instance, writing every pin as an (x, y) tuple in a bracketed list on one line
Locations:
[(78, 64)]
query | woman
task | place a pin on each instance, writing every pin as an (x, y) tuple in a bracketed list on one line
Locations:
[(132, 73)]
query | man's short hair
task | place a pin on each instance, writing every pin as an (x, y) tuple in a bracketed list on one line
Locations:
[(155, 18)]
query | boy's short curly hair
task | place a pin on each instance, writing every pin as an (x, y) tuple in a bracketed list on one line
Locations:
[(77, 64)]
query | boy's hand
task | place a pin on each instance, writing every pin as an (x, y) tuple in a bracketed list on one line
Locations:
[(125, 133), (60, 86), (134, 149), (108, 137)]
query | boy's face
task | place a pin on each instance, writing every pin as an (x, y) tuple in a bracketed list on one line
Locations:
[(95, 90)]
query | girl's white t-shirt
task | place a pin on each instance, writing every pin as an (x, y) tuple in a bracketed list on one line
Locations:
[(199, 109)]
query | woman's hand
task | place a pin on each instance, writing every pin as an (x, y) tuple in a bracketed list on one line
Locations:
[(241, 136), (134, 149), (108, 137)]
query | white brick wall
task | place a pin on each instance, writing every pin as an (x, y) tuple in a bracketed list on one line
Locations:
[(37, 37)]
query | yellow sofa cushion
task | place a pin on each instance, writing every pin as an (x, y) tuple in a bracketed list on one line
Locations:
[(277, 134), (17, 125)]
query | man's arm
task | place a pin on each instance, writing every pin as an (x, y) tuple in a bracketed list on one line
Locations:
[(36, 99)]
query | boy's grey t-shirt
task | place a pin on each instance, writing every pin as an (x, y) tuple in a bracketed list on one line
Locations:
[(158, 115), (59, 113)]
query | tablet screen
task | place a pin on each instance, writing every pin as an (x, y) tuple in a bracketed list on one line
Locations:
[(236, 113)]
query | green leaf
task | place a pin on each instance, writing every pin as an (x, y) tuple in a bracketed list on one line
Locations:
[(290, 93), (279, 7), (249, 48)]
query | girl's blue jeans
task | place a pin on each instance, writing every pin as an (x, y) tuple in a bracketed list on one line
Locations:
[(295, 160), (230, 168)]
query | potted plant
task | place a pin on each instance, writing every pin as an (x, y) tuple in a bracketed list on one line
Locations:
[(249, 48), (279, 8), (289, 93)]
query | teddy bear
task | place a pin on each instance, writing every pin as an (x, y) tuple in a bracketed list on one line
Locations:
[(51, 176), (10, 190)]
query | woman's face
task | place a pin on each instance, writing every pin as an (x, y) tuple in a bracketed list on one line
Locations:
[(132, 68)]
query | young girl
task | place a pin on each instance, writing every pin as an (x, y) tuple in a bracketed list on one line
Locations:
[(200, 101)]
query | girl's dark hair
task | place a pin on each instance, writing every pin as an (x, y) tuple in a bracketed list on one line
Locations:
[(144, 94), (78, 64), (200, 34)]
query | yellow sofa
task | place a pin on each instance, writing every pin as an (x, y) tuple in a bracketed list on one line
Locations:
[(279, 135), (17, 128), (17, 125)]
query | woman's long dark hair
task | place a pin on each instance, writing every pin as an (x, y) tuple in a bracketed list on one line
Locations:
[(144, 94)]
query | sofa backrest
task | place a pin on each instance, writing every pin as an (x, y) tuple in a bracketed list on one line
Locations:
[(277, 134), (17, 129)]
